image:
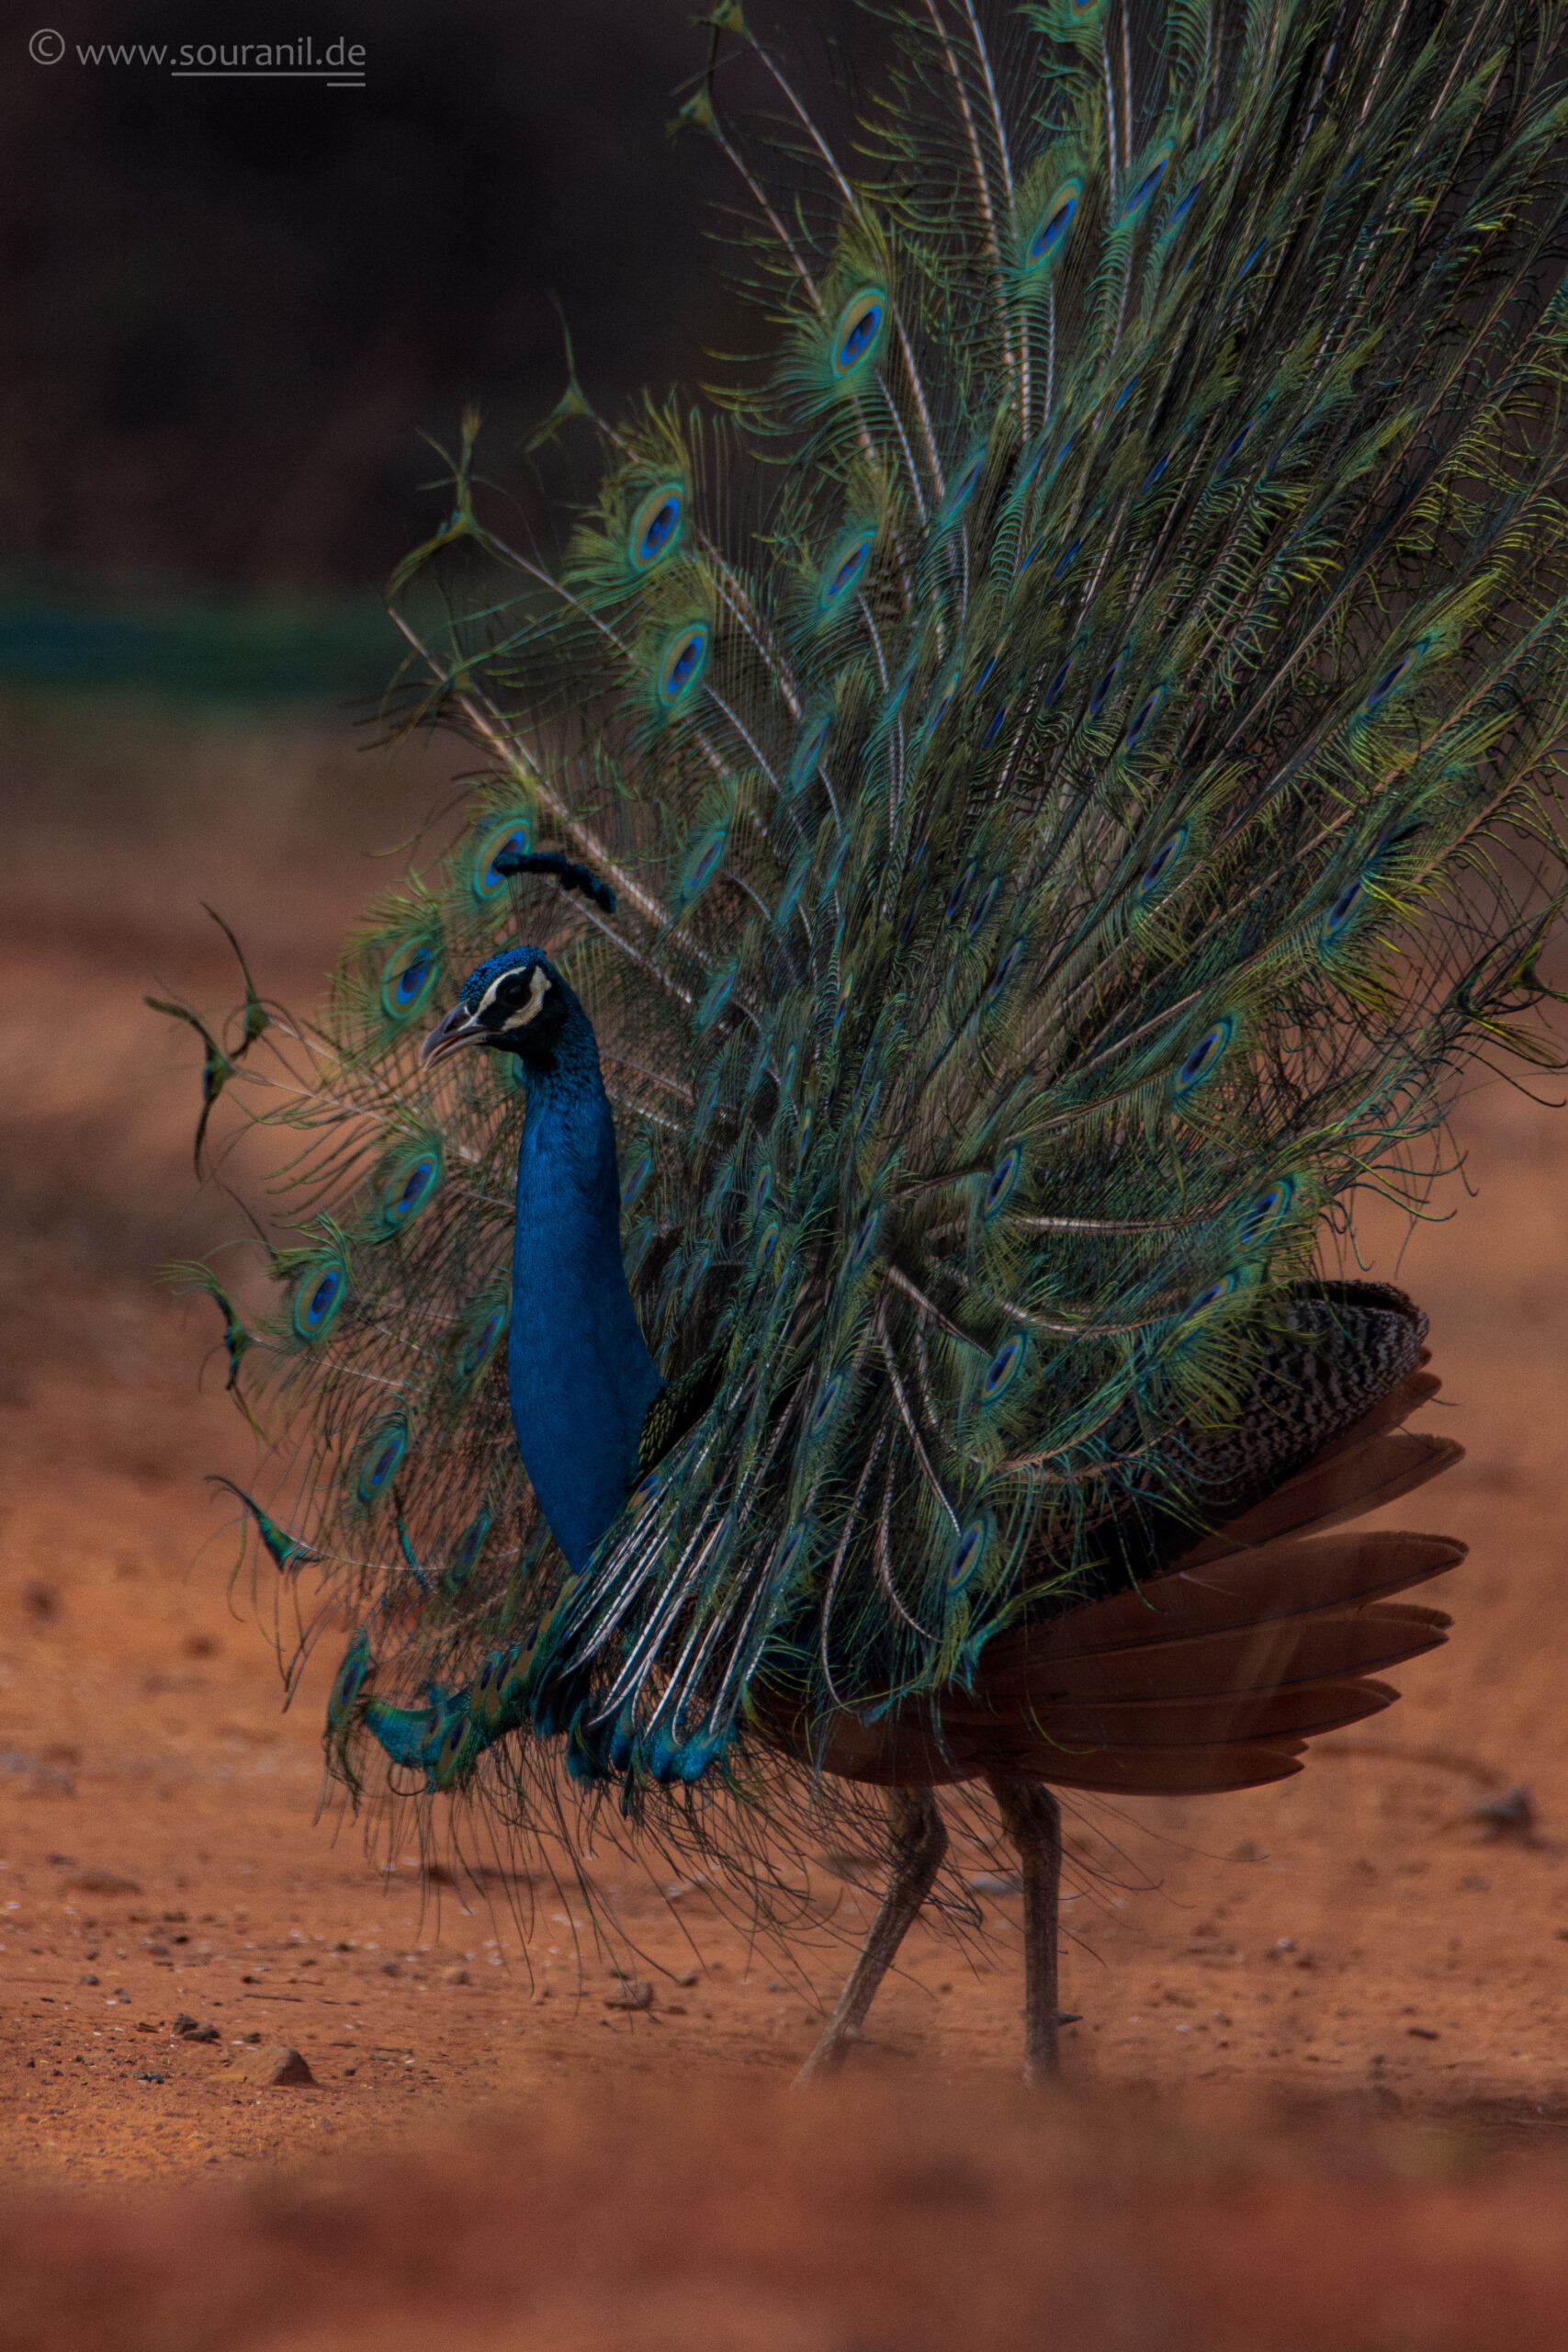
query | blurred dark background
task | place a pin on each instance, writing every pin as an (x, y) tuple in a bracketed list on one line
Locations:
[(234, 309), (236, 304)]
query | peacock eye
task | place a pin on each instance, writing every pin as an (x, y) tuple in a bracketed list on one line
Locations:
[(512, 991)]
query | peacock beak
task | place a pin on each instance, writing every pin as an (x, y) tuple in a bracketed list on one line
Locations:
[(459, 1028)]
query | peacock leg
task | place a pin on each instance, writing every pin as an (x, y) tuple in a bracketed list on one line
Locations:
[(1032, 1819), (920, 1842)]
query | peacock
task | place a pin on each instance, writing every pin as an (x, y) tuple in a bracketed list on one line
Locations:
[(810, 1243)]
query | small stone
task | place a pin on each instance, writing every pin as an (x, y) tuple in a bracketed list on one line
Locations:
[(145, 2025), (101, 1883), (1509, 1816), (86, 1980), (272, 2064), (776, 1984), (1423, 2032), (674, 2008), (995, 1883), (186, 2028), (688, 1976), (633, 1993), (455, 1975), (542, 1994), (391, 1968)]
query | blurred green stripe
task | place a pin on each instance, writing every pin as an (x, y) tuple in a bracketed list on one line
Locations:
[(73, 637)]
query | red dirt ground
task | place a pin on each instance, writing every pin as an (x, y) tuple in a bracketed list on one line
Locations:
[(1318, 2092)]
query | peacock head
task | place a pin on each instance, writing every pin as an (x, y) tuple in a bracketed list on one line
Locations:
[(516, 1003)]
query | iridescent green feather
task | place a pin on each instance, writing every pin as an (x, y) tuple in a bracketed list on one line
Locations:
[(1070, 742)]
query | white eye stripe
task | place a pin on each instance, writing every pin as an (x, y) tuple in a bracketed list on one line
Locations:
[(524, 1012)]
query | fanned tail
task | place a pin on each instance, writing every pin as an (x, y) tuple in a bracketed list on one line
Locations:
[(1070, 746)]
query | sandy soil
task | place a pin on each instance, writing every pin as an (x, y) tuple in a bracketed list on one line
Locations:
[(1318, 2091)]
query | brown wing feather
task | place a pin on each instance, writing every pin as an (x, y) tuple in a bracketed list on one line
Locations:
[(1152, 1771), (1354, 1478), (1218, 1721), (1273, 1581), (1123, 1771), (1214, 1675), (1198, 1665)]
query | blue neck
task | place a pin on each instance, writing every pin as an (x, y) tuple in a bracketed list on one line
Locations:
[(580, 1376)]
